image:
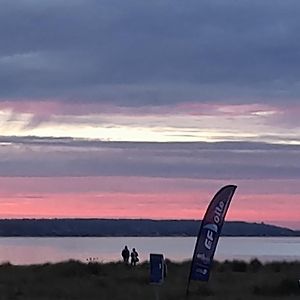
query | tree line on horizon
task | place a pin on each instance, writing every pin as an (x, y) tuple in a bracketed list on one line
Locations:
[(130, 227)]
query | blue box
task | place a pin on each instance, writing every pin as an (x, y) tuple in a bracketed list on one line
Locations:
[(157, 268)]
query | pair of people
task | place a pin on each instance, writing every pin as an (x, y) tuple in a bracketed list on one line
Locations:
[(134, 256)]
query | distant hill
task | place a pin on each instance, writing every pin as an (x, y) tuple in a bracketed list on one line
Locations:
[(129, 227)]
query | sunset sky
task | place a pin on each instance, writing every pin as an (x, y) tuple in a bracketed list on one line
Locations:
[(144, 109)]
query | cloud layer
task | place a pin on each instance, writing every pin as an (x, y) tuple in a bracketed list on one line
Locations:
[(68, 157), (150, 53)]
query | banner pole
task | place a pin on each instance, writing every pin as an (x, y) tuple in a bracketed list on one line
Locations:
[(156, 292), (194, 254), (187, 293)]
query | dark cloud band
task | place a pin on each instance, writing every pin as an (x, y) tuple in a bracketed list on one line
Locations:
[(136, 53), (48, 157)]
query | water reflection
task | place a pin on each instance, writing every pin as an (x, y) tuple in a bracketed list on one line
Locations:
[(19, 250)]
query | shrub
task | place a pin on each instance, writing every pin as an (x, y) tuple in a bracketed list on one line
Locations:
[(285, 287), (238, 266), (94, 268), (275, 267), (288, 286), (205, 290), (255, 265)]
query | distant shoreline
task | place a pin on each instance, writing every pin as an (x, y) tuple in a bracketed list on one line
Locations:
[(132, 228)]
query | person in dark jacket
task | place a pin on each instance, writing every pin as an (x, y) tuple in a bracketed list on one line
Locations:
[(134, 257), (125, 255)]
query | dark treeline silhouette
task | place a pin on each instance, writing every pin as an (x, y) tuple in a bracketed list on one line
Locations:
[(129, 227)]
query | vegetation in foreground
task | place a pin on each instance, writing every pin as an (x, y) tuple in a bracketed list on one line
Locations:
[(76, 280)]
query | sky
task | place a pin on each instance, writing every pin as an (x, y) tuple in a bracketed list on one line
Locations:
[(145, 109)]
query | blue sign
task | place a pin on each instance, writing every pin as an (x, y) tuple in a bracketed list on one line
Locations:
[(157, 268)]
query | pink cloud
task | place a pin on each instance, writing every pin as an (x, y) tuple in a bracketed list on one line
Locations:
[(48, 107)]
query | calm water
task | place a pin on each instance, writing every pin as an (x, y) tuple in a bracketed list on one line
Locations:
[(41, 250)]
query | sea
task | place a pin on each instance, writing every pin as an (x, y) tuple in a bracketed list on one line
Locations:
[(33, 250)]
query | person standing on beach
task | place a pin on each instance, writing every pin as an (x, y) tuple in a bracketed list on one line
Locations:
[(134, 257), (125, 255)]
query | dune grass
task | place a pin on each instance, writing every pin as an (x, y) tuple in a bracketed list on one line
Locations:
[(234, 280)]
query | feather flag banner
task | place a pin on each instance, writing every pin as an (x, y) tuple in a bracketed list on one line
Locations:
[(209, 233)]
